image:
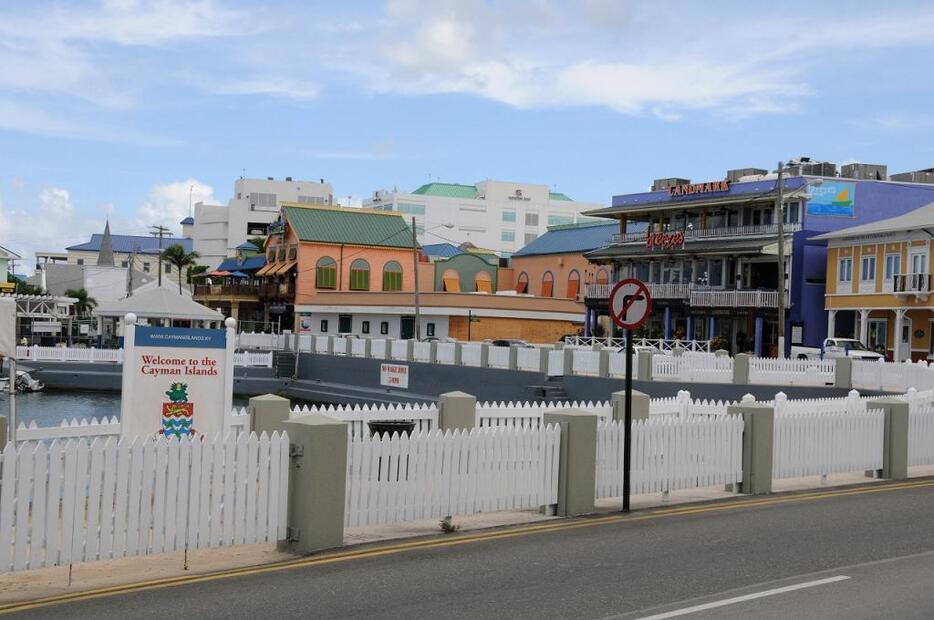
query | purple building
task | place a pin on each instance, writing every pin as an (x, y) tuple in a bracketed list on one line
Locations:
[(709, 253)]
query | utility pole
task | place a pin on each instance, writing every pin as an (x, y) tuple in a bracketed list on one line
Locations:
[(159, 231), (780, 214), (129, 273), (418, 327)]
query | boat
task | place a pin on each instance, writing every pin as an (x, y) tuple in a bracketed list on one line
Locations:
[(24, 383)]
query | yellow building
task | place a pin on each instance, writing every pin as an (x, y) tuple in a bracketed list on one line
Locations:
[(878, 286)]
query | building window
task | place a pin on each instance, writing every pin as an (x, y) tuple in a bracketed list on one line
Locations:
[(168, 268), (262, 200), (365, 327), (313, 200), (845, 270), (145, 267), (792, 212), (79, 261), (548, 284), (508, 235), (530, 237), (430, 329), (603, 276), (124, 264), (893, 263), (483, 283), (271, 255), (384, 327), (867, 269), (324, 326), (531, 219), (326, 273), (560, 220), (509, 216), (392, 276), (344, 323), (574, 284), (451, 281), (410, 208), (522, 284), (359, 275)]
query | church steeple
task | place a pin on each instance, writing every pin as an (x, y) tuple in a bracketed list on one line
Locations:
[(105, 256)]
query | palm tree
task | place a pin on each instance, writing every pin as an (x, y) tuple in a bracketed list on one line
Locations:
[(84, 304), (194, 272), (175, 255)]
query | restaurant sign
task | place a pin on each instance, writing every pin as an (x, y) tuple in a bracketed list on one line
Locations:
[(709, 187), (665, 240)]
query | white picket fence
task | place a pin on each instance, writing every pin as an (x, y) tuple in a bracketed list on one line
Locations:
[(705, 367), (115, 356), (779, 371), (239, 422), (432, 475), (80, 501), (670, 454), (901, 376), (921, 436), (827, 442)]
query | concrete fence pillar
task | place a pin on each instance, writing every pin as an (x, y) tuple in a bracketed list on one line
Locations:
[(433, 352), (513, 357), (457, 411), (741, 369), (603, 369), (577, 467), (330, 350), (643, 365), (410, 350), (458, 354), (568, 361), (843, 373), (895, 439), (543, 355), (317, 483), (485, 355), (758, 433), (640, 405), (367, 347), (3, 432), (268, 413)]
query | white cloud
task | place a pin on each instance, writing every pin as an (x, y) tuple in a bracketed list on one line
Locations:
[(167, 204)]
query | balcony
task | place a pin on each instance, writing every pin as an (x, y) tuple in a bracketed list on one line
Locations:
[(217, 291), (274, 290), (917, 284), (735, 299), (658, 291), (697, 234)]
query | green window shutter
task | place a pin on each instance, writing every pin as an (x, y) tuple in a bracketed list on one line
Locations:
[(326, 277), (392, 281), (360, 280)]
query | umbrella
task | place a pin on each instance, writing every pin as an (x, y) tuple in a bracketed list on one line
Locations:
[(238, 274), (219, 273)]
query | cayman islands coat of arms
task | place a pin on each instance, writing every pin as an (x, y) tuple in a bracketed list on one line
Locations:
[(178, 413)]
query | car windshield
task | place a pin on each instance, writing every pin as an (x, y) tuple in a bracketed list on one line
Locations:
[(853, 345)]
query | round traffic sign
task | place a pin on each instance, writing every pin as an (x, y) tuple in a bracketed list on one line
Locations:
[(630, 303)]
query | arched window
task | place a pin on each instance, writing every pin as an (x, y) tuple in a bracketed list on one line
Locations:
[(574, 284), (522, 284), (326, 273), (548, 284), (359, 275), (451, 281), (603, 277), (483, 283), (392, 276)]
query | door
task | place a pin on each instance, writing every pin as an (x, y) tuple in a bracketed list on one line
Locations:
[(878, 330), (407, 328), (904, 347)]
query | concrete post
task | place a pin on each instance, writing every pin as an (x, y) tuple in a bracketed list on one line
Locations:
[(759, 426), (485, 355), (513, 357), (677, 350), (543, 360), (603, 369), (895, 440), (568, 361), (3, 431), (741, 369), (577, 468), (458, 354), (367, 348), (643, 365), (640, 405), (457, 410), (410, 350), (843, 372), (330, 350), (317, 483), (268, 413), (433, 352)]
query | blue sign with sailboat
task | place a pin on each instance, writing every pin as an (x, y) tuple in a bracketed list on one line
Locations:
[(834, 198)]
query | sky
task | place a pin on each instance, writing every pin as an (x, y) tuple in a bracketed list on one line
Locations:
[(117, 108)]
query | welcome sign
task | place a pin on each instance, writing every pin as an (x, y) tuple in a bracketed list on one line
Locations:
[(177, 382)]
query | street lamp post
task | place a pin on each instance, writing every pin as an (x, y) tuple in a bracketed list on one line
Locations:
[(418, 327), (780, 212)]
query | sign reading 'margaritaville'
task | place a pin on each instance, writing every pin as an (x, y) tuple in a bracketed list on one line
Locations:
[(177, 382)]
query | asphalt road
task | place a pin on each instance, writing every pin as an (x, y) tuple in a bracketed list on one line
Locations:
[(860, 553)]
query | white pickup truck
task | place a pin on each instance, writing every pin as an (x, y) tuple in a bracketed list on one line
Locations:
[(836, 347)]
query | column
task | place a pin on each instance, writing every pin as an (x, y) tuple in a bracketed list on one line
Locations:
[(863, 326), (667, 322), (711, 327), (738, 278), (897, 336), (689, 335), (758, 337), (587, 326), (831, 323), (235, 310)]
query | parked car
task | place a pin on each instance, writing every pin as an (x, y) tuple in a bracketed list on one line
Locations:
[(836, 347), (511, 342)]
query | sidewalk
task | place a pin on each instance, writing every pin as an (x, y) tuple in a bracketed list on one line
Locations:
[(47, 582)]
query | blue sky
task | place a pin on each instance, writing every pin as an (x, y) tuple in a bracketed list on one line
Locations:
[(116, 107)]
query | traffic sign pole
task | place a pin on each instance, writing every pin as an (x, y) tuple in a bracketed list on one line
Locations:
[(627, 448)]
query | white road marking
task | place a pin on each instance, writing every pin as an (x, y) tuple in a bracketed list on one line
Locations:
[(746, 597)]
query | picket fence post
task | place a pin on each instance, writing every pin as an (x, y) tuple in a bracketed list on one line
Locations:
[(741, 369), (758, 433), (843, 372), (640, 405), (577, 467), (268, 413), (457, 410), (895, 437)]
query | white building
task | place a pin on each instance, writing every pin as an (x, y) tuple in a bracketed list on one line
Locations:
[(497, 215), (218, 230)]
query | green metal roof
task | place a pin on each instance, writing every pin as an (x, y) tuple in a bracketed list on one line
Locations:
[(558, 196), (353, 226), (448, 190)]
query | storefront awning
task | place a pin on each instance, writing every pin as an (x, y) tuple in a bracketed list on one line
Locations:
[(284, 268), (452, 285), (264, 271), (696, 248)]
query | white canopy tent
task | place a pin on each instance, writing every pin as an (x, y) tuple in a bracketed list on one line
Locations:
[(159, 305)]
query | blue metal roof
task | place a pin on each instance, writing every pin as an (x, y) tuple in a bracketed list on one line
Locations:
[(126, 243), (662, 198), (188, 221), (441, 250), (574, 238), (246, 245), (250, 263)]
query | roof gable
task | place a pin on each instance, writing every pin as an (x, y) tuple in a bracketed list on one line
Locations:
[(447, 190), (340, 225), (126, 243), (572, 239)]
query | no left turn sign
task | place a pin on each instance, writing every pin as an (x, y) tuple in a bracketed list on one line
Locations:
[(630, 303)]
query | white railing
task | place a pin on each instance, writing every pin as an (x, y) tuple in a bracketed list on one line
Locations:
[(498, 357), (782, 371), (529, 359), (68, 354), (253, 358), (818, 443), (358, 347), (556, 363), (321, 344), (658, 291), (757, 230), (421, 351), (708, 368), (470, 354), (357, 416), (921, 436), (341, 345), (250, 340), (670, 454), (735, 299), (77, 501), (378, 349), (901, 376), (399, 349), (659, 343), (586, 362), (446, 352), (432, 475)]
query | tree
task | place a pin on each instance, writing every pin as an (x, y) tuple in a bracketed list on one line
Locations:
[(23, 288), (259, 242), (84, 304), (175, 255), (195, 271)]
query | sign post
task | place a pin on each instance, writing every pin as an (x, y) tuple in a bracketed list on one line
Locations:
[(630, 305)]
